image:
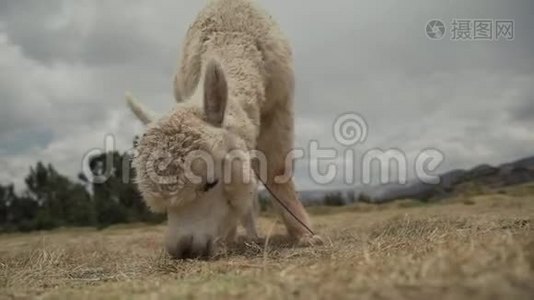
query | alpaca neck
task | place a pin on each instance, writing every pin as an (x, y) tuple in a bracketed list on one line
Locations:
[(242, 65)]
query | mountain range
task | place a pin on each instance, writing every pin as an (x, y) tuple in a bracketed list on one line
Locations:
[(451, 183), (458, 181)]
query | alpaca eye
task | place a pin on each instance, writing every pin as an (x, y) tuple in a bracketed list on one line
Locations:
[(208, 186)]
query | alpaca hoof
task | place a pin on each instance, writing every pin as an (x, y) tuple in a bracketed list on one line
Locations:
[(310, 241), (250, 239)]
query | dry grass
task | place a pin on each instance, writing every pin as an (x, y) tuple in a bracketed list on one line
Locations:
[(468, 248)]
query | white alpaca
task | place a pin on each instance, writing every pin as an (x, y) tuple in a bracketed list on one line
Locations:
[(236, 80)]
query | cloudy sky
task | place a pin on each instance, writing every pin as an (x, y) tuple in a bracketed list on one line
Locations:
[(65, 66)]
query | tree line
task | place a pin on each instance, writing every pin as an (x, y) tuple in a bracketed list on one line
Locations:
[(50, 199), (340, 199)]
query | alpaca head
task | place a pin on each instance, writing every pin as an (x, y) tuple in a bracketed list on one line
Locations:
[(191, 167)]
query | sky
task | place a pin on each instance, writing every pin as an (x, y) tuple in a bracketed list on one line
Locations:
[(66, 65)]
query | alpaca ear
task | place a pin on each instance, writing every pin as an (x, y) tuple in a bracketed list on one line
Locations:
[(215, 94)]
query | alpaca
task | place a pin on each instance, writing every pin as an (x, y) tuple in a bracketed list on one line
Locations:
[(234, 90)]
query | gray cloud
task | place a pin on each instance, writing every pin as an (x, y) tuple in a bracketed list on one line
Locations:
[(526, 113), (65, 65), (522, 110)]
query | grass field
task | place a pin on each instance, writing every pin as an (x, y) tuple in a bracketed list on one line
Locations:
[(478, 247)]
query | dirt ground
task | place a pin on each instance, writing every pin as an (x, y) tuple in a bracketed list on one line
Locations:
[(479, 247)]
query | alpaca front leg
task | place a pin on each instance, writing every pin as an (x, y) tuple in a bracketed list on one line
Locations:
[(249, 220), (231, 236), (276, 144), (249, 223), (286, 193)]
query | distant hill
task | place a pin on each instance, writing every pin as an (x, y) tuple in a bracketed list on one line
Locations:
[(451, 183), (457, 181)]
